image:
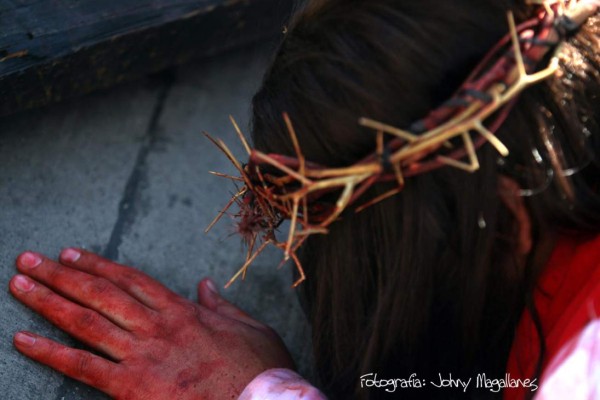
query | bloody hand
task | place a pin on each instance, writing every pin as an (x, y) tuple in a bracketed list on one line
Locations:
[(156, 345)]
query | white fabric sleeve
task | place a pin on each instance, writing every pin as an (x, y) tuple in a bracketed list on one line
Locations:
[(280, 384)]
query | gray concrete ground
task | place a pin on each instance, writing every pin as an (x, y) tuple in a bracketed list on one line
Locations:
[(124, 173)]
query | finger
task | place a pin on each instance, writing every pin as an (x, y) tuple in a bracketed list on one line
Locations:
[(209, 297), (78, 364), (139, 285), (82, 323), (89, 290)]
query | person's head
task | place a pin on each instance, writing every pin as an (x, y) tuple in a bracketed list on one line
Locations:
[(431, 280)]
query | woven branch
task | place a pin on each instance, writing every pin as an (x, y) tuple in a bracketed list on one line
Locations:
[(278, 188)]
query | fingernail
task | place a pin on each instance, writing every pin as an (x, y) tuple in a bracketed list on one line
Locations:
[(24, 339), (211, 286), (30, 260), (23, 284), (70, 255)]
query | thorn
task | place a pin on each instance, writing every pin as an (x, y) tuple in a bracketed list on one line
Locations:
[(240, 135), (224, 210), (294, 137), (221, 175), (378, 199), (392, 130), (247, 264), (470, 148), (490, 137), (516, 44), (291, 234)]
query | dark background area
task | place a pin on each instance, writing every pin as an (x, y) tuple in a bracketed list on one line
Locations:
[(56, 49)]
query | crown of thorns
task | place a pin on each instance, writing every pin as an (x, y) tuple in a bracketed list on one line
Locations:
[(277, 187)]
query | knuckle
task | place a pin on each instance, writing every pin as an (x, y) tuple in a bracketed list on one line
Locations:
[(190, 310), (86, 320), (153, 323), (181, 309), (100, 264), (51, 350), (99, 287), (87, 369), (53, 271), (84, 364), (156, 323), (46, 298), (127, 277), (189, 314)]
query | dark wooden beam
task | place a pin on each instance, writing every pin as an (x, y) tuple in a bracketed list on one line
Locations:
[(56, 49)]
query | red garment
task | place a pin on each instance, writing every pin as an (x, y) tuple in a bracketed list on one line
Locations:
[(567, 298)]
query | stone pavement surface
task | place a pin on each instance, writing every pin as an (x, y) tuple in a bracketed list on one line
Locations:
[(124, 173)]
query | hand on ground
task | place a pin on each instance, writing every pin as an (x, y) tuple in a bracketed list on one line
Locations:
[(151, 343)]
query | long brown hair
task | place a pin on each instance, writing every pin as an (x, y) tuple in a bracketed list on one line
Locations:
[(425, 282)]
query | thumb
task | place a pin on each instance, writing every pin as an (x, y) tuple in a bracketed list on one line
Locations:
[(209, 297)]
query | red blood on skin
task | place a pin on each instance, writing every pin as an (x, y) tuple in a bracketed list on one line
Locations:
[(200, 372), (175, 349)]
